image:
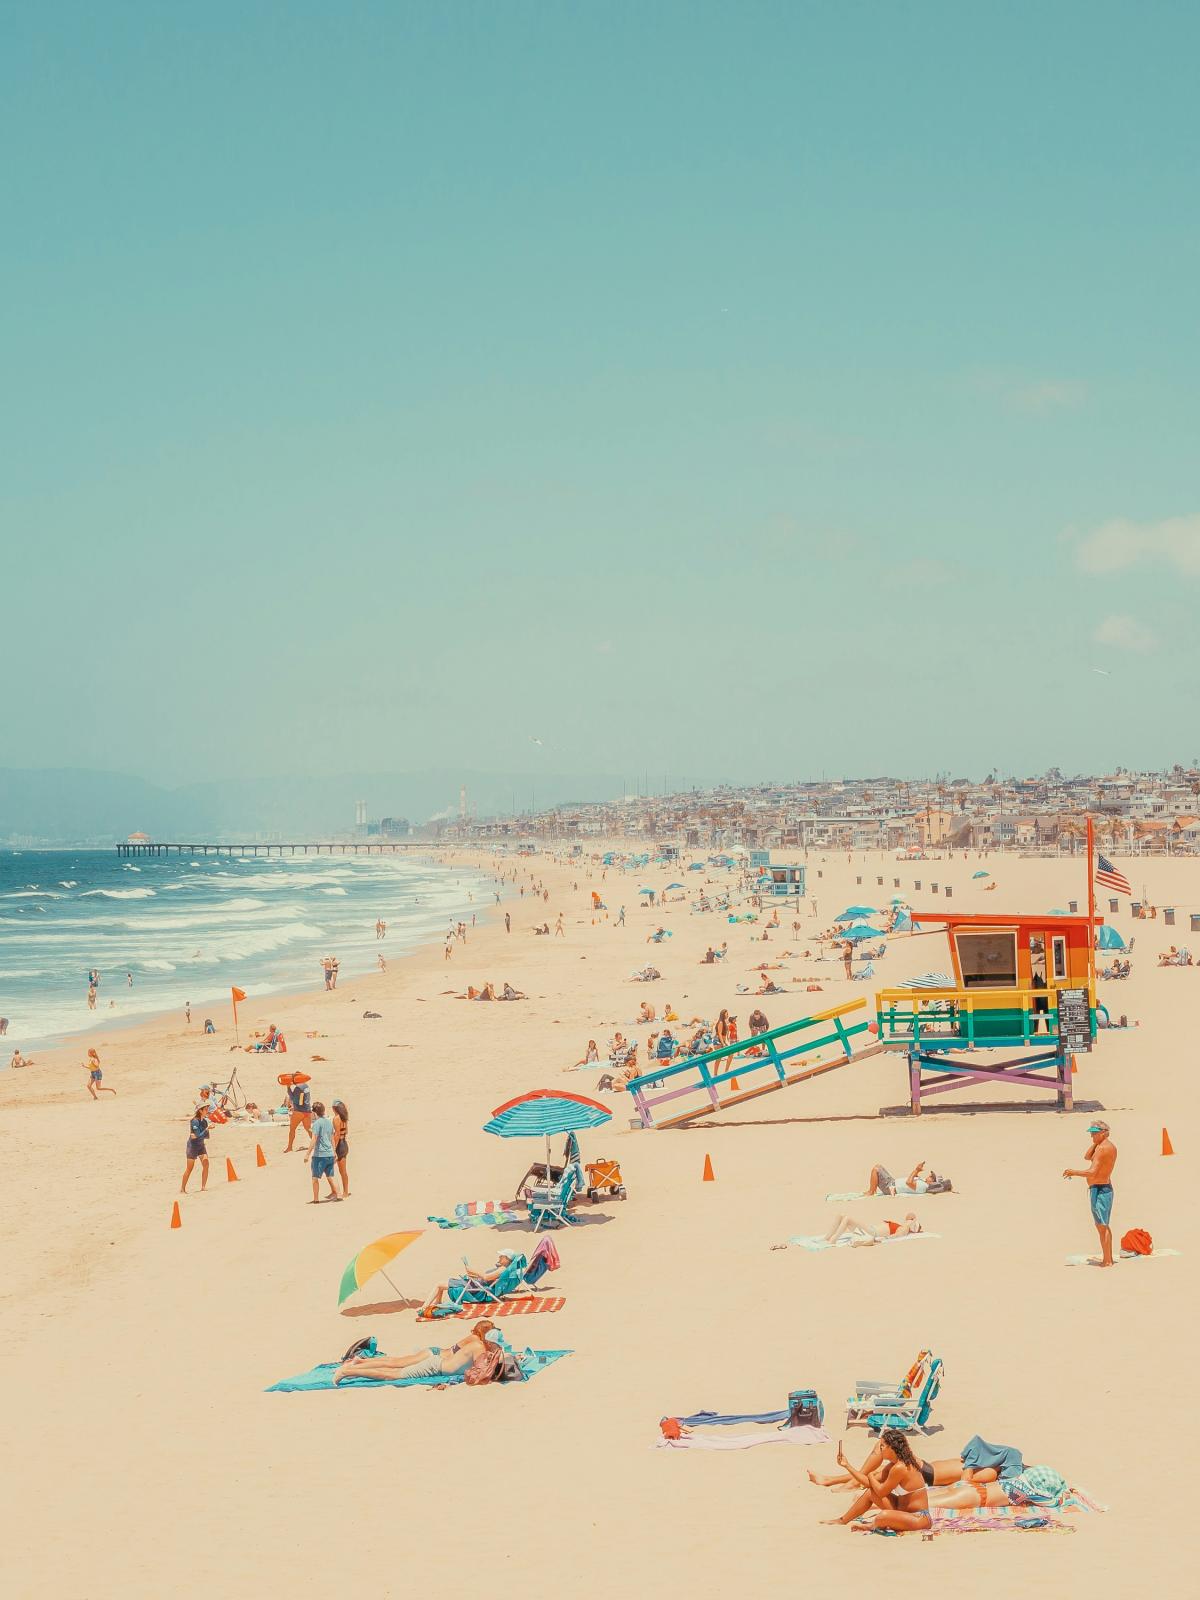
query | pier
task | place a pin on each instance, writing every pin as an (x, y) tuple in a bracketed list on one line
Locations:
[(155, 847)]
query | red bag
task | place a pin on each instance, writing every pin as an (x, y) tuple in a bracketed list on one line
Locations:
[(1138, 1241), (670, 1427), (486, 1366)]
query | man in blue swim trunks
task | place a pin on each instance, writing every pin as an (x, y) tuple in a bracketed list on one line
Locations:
[(1101, 1158)]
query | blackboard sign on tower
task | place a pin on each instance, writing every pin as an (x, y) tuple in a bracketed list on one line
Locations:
[(1074, 1020)]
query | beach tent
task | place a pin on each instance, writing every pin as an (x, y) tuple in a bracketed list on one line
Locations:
[(903, 923), (1109, 939)]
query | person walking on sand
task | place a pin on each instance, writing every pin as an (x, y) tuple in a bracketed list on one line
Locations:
[(320, 1153), (197, 1149), (382, 964), (300, 1112), (620, 922), (1101, 1157), (559, 932), (848, 958), (507, 923), (95, 1084), (341, 1143), (187, 1012)]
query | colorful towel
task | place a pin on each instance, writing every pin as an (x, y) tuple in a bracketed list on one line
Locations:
[(817, 1241), (1122, 1255), (482, 1214), (321, 1377), (746, 1441), (714, 1419), (523, 1306), (1005, 1519)]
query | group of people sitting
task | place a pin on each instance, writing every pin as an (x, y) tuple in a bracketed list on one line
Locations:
[(488, 992), (903, 1489), (1122, 969), (1175, 957)]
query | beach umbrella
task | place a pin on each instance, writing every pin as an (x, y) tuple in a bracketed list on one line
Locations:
[(1109, 939), (1057, 911), (696, 866), (981, 874), (645, 891), (852, 912), (674, 886), (859, 931), (373, 1258), (546, 1112), (928, 980)]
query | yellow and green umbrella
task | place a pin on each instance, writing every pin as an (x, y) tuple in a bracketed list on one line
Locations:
[(373, 1258)]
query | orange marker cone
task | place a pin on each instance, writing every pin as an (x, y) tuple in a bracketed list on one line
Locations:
[(258, 1155), (1074, 1065), (230, 1175), (733, 1084), (708, 1171), (176, 1219), (1168, 1148)]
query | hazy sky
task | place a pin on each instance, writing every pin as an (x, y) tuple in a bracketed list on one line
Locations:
[(733, 389)]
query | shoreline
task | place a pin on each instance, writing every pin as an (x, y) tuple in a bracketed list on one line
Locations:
[(108, 1025)]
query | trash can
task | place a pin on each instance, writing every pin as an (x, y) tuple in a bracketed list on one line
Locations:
[(1169, 916), (1072, 906), (947, 891), (1114, 905)]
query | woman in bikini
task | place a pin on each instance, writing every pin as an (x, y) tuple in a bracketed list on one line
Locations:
[(939, 1473), (341, 1143), (866, 1233), (429, 1363), (898, 1491)]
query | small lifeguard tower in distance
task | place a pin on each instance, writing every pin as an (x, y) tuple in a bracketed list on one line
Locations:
[(782, 882), (1021, 983)]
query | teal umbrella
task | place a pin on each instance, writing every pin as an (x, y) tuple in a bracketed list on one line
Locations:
[(859, 931)]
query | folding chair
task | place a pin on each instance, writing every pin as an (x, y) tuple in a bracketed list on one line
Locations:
[(548, 1208), (914, 1413)]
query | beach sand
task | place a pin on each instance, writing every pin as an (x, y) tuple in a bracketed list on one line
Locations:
[(145, 1459)]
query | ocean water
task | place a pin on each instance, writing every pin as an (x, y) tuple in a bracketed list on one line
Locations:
[(188, 928)]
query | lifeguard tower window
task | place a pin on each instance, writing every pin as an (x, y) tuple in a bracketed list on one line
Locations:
[(988, 960), (1059, 946)]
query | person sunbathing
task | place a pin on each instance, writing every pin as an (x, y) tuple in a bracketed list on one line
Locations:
[(504, 1259), (882, 1181), (898, 1492), (428, 1363), (941, 1473), (1035, 1486), (866, 1233)]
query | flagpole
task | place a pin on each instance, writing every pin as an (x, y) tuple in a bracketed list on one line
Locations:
[(1091, 845)]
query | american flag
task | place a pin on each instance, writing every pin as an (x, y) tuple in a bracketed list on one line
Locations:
[(1108, 875)]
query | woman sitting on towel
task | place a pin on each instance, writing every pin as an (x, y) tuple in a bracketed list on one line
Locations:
[(898, 1492), (866, 1233), (942, 1473), (429, 1363)]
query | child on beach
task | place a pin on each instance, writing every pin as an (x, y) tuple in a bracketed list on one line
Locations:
[(95, 1084)]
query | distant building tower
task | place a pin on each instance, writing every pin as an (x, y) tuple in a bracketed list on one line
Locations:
[(462, 802), (360, 813)]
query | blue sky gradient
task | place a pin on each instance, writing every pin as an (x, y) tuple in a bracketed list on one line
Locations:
[(701, 389)]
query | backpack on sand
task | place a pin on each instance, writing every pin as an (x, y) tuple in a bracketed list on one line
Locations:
[(1138, 1242)]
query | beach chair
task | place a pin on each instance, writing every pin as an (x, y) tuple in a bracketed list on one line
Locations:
[(541, 1175), (914, 1413), (870, 1394), (867, 973), (468, 1291), (550, 1208)]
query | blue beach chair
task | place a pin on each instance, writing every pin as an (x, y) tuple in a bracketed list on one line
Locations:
[(469, 1291), (914, 1413), (548, 1208)]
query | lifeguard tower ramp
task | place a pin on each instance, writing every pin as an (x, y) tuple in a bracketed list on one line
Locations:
[(699, 1085)]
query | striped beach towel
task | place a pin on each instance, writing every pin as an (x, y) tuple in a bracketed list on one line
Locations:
[(526, 1305), (482, 1214)]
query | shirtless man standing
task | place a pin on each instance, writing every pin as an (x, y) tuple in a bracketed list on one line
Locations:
[(1101, 1158)]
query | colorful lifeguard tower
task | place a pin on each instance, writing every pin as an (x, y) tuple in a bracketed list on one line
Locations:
[(781, 882), (1021, 983)]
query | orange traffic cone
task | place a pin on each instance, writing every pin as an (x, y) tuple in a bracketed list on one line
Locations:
[(1074, 1066), (230, 1175), (176, 1219), (708, 1171), (733, 1084), (258, 1155), (1168, 1148)]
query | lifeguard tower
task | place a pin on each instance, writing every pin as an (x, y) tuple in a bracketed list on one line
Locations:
[(1021, 983), (783, 883)]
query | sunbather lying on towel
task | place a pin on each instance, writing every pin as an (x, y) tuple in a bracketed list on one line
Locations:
[(866, 1233), (882, 1181), (427, 1363), (485, 1275), (1036, 1486), (951, 1471)]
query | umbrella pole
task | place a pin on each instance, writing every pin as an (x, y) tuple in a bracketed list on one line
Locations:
[(399, 1295)]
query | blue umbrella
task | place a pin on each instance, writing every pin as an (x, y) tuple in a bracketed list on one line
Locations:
[(860, 931), (674, 886), (855, 911), (645, 891), (1109, 939), (981, 874), (696, 866), (546, 1112), (1057, 911), (903, 923)]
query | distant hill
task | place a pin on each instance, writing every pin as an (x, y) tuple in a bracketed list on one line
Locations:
[(75, 805)]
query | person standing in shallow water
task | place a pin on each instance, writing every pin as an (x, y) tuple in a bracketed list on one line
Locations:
[(1101, 1158)]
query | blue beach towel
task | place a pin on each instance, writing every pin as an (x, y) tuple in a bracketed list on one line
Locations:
[(712, 1419), (321, 1377)]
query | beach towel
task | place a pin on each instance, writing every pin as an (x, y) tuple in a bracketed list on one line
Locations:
[(746, 1441), (714, 1419), (1121, 1255), (816, 1241), (523, 1306), (862, 1194), (482, 1214), (1006, 1519), (321, 1377)]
